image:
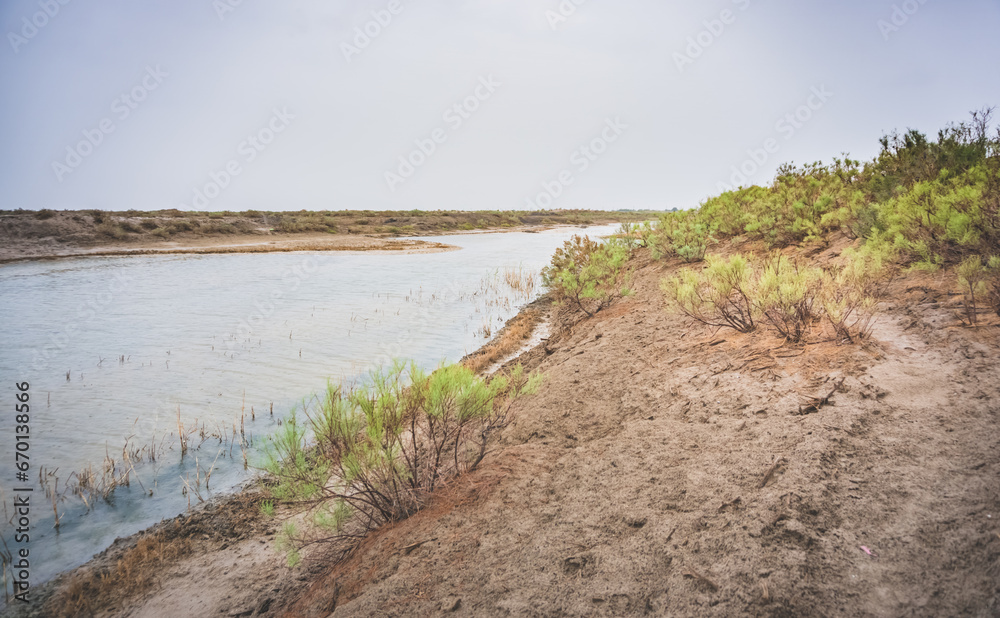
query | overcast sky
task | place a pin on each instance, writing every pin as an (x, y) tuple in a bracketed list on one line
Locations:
[(351, 104)]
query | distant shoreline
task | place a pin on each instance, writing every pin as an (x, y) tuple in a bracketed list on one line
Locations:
[(45, 235), (239, 244)]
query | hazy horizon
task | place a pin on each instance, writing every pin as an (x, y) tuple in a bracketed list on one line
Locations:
[(464, 105)]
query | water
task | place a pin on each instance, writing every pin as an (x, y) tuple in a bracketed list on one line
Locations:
[(114, 347)]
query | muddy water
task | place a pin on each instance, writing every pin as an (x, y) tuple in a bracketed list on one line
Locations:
[(115, 349)]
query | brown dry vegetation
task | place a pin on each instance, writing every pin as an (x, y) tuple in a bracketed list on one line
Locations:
[(510, 339)]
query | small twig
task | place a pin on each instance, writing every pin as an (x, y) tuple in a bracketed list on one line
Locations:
[(770, 473), (410, 548), (702, 578), (817, 403)]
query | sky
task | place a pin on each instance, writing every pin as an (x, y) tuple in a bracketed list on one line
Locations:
[(464, 104)]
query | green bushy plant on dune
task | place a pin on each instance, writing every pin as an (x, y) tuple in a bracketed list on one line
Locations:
[(377, 450)]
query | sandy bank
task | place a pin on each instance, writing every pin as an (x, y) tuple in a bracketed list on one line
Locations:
[(277, 243)]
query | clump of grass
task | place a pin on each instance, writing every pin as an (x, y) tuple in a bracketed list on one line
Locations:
[(134, 572), (382, 447), (267, 508), (111, 229), (520, 279), (510, 339)]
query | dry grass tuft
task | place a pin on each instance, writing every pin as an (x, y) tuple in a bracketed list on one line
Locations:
[(134, 572), (510, 338)]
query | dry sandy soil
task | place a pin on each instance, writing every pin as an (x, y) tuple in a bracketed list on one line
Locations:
[(665, 469)]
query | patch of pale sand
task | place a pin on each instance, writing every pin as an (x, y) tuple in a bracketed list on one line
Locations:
[(39, 249), (237, 581)]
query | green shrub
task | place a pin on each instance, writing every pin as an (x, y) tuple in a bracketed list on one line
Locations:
[(382, 447), (734, 293), (681, 234), (786, 293), (587, 273), (630, 234), (851, 293), (993, 264), (44, 214), (719, 295), (972, 283), (934, 201)]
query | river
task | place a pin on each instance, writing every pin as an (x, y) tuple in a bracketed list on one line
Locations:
[(118, 351)]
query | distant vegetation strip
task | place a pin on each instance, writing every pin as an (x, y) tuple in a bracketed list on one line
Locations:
[(96, 226)]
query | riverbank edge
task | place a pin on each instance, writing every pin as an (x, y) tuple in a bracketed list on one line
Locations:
[(49, 598), (58, 247)]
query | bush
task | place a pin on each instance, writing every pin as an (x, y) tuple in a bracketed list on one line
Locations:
[(786, 294), (972, 283), (130, 227), (587, 273), (720, 295), (44, 214), (679, 234), (851, 293), (631, 235), (994, 290), (732, 292), (111, 230), (382, 447)]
